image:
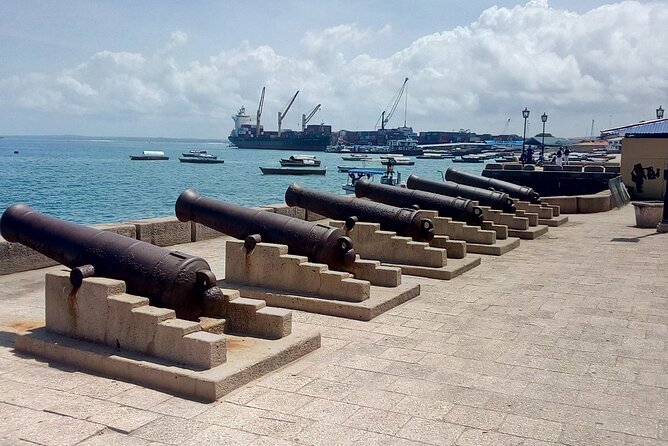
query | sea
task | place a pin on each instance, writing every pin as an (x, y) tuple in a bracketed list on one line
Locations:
[(92, 180)]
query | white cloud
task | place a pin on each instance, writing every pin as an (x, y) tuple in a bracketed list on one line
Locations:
[(576, 67)]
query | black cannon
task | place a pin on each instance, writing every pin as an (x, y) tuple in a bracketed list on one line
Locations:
[(456, 208), (169, 279), (486, 197), (405, 222), (514, 190), (320, 243)]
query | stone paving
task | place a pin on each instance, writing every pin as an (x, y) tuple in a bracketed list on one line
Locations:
[(561, 341)]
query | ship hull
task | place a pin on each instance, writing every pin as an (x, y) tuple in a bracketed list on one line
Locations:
[(309, 144)]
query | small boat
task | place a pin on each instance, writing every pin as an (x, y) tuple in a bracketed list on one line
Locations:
[(201, 159), (292, 171), (300, 161), (16, 151), (359, 157), (150, 155), (469, 159), (432, 156), (196, 153), (399, 160), (388, 176)]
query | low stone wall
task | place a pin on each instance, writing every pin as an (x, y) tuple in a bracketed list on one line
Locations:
[(164, 231), (582, 204)]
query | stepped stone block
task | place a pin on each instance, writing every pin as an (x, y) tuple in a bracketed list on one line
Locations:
[(100, 311), (269, 265), (542, 211), (371, 242), (375, 273), (459, 230), (533, 218), (511, 221), (456, 249)]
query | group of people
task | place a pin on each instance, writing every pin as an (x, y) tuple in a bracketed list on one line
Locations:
[(561, 158)]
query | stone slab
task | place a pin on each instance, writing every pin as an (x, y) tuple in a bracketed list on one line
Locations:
[(529, 234), (164, 231), (248, 358), (454, 268), (497, 249), (554, 221), (381, 299)]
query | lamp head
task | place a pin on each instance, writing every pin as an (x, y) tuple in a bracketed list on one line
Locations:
[(525, 113)]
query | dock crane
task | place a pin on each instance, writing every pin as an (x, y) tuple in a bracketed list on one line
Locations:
[(395, 101), (505, 127), (259, 113), (306, 119), (285, 112)]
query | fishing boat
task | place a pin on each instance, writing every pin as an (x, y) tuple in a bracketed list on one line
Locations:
[(359, 157), (292, 171), (150, 155), (300, 161), (196, 153), (202, 159), (432, 156), (397, 160), (388, 176)]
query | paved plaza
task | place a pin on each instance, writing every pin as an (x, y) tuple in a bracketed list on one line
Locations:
[(562, 341)]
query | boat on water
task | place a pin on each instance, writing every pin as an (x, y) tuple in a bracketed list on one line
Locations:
[(469, 159), (208, 159), (300, 161), (293, 171), (195, 153), (432, 156), (150, 155), (387, 176), (359, 157), (396, 160), (406, 147), (247, 134)]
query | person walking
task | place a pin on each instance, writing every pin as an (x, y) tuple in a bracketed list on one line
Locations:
[(566, 153), (559, 160)]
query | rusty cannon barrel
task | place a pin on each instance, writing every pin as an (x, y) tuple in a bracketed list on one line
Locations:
[(460, 209), (514, 190), (169, 279), (486, 197), (320, 243), (405, 222)]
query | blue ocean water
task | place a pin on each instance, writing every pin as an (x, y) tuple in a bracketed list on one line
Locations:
[(88, 180)]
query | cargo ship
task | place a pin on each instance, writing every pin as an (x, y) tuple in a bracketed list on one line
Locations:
[(251, 135)]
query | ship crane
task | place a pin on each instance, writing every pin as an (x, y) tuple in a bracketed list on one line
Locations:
[(285, 112), (384, 118), (259, 113), (306, 119)]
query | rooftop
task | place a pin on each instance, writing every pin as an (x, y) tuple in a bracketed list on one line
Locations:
[(562, 341)]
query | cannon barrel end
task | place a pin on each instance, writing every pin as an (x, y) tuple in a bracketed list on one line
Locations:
[(510, 206), (10, 221), (346, 251), (290, 199), (427, 229), (183, 204)]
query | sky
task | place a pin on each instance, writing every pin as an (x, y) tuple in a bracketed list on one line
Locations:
[(181, 69)]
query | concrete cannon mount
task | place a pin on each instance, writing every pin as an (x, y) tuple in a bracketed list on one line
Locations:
[(99, 327), (414, 258), (269, 273)]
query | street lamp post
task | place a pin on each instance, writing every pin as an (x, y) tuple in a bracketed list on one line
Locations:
[(542, 149), (659, 113), (525, 115)]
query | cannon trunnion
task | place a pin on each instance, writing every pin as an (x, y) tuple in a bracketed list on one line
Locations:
[(405, 222), (169, 279), (320, 243), (457, 208), (514, 190), (486, 197)]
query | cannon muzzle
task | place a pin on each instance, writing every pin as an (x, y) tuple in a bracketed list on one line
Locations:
[(320, 243), (405, 222), (493, 199), (514, 190), (169, 279), (456, 208)]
